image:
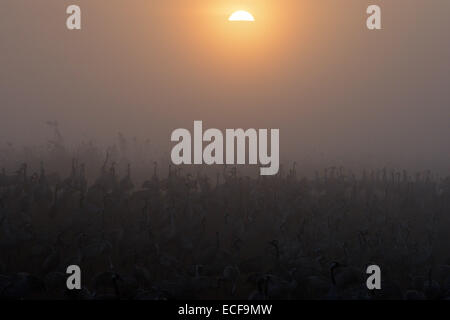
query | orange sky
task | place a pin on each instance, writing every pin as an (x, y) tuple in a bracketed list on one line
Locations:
[(310, 68)]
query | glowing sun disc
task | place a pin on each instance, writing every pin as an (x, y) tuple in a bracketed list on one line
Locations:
[(241, 16)]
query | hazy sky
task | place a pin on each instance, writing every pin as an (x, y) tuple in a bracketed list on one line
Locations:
[(337, 91)]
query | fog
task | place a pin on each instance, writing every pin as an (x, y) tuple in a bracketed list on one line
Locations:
[(339, 93)]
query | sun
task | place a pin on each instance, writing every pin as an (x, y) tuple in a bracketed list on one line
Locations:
[(241, 15)]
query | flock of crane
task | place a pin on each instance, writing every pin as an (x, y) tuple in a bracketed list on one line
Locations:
[(192, 236)]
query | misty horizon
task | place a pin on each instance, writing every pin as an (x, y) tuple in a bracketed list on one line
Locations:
[(340, 94)]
